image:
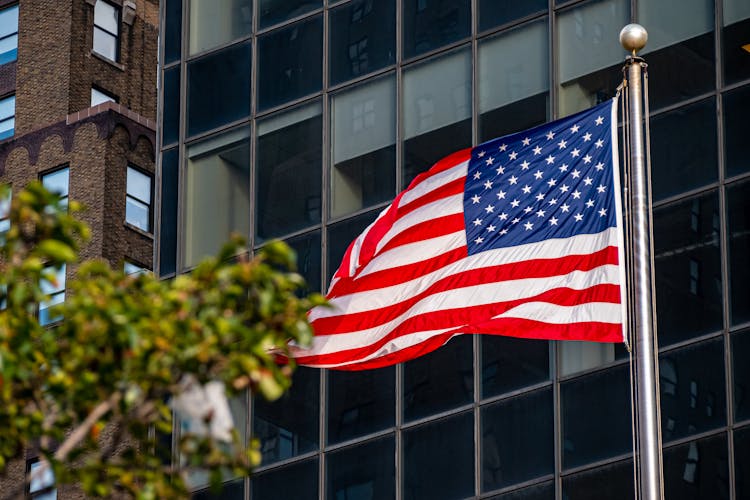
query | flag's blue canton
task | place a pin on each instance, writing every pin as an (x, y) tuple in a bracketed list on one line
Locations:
[(552, 181)]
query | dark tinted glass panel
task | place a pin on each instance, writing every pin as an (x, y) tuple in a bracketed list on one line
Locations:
[(440, 380), (439, 459), (680, 50), (697, 470), (497, 12), (739, 250), (517, 440), (275, 11), (613, 482), (290, 63), (341, 235), (289, 163), (215, 22), (219, 89), (429, 24), (307, 248), (591, 430), (736, 106), (742, 462), (168, 226), (289, 425), (360, 402), (234, 490), (363, 38), (735, 40), (740, 355), (171, 126), (574, 356), (544, 491), (688, 269), (683, 149), (172, 30), (362, 472), (691, 381), (294, 482), (509, 363)]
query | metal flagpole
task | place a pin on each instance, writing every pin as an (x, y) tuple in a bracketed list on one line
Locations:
[(633, 38)]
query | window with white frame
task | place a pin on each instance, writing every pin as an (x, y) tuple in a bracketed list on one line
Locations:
[(138, 200), (58, 182), (7, 116), (8, 34), (41, 486), (53, 286), (100, 96), (107, 29)]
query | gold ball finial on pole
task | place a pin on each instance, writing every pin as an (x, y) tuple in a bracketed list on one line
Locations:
[(633, 38)]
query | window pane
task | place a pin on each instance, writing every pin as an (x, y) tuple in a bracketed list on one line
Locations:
[(130, 268), (362, 472), (7, 128), (590, 53), (544, 491), (106, 16), (735, 40), (105, 43), (437, 111), (274, 11), (289, 426), (517, 440), (363, 38), (576, 357), (683, 149), (742, 462), (364, 150), (613, 482), (509, 363), (168, 224), (513, 80), (298, 481), (137, 214), (430, 24), (688, 269), (9, 21), (288, 190), (42, 481), (497, 12), (139, 185), (172, 29), (215, 22), (9, 49), (737, 147), (57, 181), (691, 381), (740, 355), (98, 97), (738, 215), (218, 89), (232, 490), (307, 247), (680, 49), (440, 380), (171, 109), (437, 461), (593, 431), (360, 403), (52, 285), (290, 63), (217, 199), (697, 470), (7, 107), (341, 235)]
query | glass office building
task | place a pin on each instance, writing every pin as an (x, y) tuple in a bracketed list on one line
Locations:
[(301, 120)]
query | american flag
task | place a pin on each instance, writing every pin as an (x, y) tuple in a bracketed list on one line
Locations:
[(518, 236)]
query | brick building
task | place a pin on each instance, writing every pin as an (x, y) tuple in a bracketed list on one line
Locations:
[(77, 111)]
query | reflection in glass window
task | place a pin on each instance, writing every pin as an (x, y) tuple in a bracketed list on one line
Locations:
[(428, 473), (307, 247), (590, 53), (497, 12), (742, 462), (171, 106), (430, 24), (41, 487), (737, 147), (8, 34), (362, 472), (698, 469), (215, 22), (138, 199), (274, 11), (509, 363), (217, 197), (6, 195), (107, 30), (53, 286), (740, 355), (218, 88), (736, 40), (288, 190), (133, 268), (231, 490), (168, 215), (288, 426), (7, 116), (686, 254), (739, 249), (341, 235), (517, 440), (363, 38), (364, 146), (576, 357), (58, 181), (436, 111), (172, 30), (513, 80), (290, 62), (298, 481), (543, 491), (612, 481), (100, 96)]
